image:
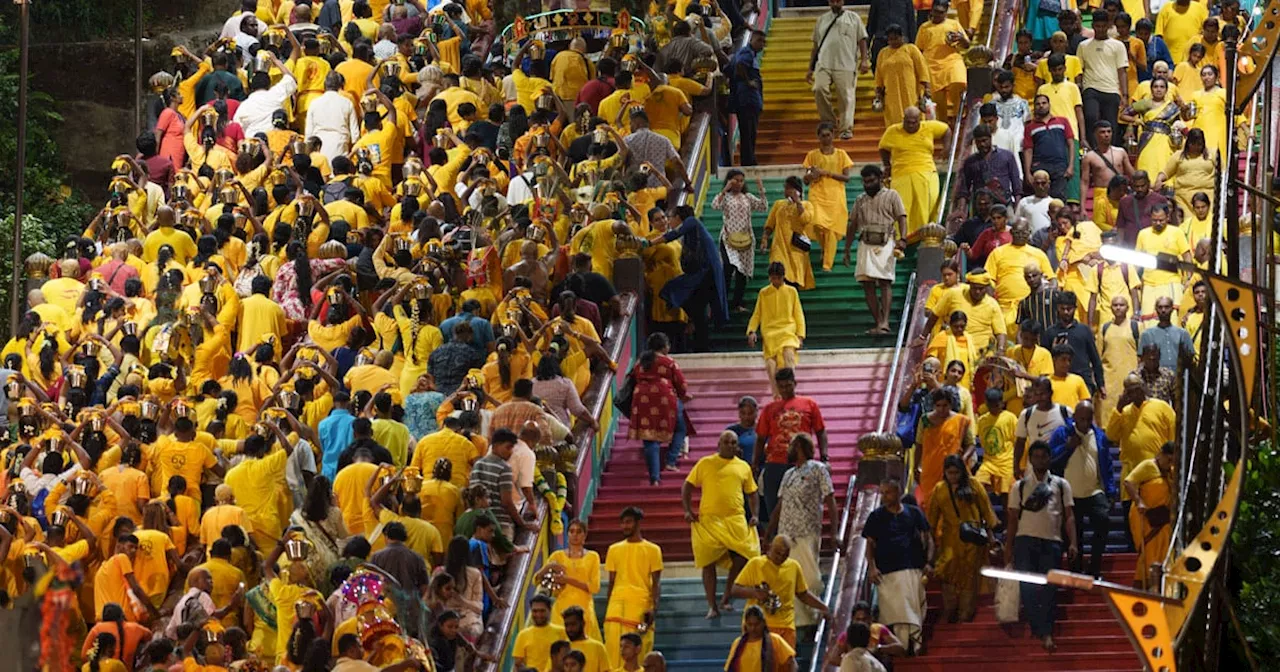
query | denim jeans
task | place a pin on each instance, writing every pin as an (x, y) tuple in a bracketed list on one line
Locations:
[(1033, 554), (653, 449)]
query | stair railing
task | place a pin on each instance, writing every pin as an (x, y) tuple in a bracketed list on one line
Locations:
[(518, 585), (855, 504), (1000, 43)]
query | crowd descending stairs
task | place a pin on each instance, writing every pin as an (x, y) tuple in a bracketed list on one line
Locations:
[(835, 311)]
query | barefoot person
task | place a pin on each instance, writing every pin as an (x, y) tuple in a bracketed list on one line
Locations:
[(720, 527), (779, 320), (879, 220)]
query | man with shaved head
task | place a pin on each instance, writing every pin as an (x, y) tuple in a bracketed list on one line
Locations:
[(720, 527), (196, 604), (1141, 424), (776, 578), (184, 247)]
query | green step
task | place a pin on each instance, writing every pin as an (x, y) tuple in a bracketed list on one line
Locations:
[(836, 312)]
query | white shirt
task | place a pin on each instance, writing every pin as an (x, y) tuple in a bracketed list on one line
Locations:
[(303, 460), (1047, 522), (384, 49), (34, 481), (332, 117), (1038, 425), (523, 463), (860, 660), (231, 27), (520, 190), (254, 114), (840, 50), (1035, 210), (1082, 469), (1101, 60), (181, 608)]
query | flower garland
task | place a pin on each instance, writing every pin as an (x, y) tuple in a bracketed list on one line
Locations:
[(555, 498)]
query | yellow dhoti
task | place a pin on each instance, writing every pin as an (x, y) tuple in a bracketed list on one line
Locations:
[(622, 616), (919, 192), (775, 344), (714, 537)]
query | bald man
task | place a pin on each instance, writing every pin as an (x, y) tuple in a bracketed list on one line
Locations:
[(720, 528), (777, 575), (48, 312), (164, 233), (64, 292), (654, 662), (570, 71), (196, 603)]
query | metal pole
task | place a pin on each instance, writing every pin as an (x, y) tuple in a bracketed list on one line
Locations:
[(15, 289), (137, 70), (1231, 202)]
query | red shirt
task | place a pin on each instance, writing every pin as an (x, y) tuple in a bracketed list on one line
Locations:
[(782, 419), (595, 91), (987, 241)]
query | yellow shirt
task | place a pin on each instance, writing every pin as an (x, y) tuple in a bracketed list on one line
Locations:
[(1142, 429), (455, 96), (188, 459), (986, 320), (348, 212), (447, 443), (331, 336), (1006, 263), (995, 433), (595, 653), (912, 153), (226, 579), (151, 565), (1064, 98), (663, 107), (1172, 241), (1074, 69), (722, 482), (749, 660), (183, 246), (424, 538), (356, 72), (528, 89), (285, 596), (1038, 362), (259, 316), (128, 485), (570, 70), (441, 504), (611, 106), (632, 565), (533, 645), (1187, 77), (591, 170), (394, 436), (257, 484), (65, 294), (368, 377), (220, 516), (785, 580), (110, 584), (380, 144), (1181, 27), (348, 487), (1069, 390)]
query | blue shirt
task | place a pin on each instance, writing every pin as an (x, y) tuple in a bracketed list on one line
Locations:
[(1157, 50), (746, 440), (483, 332), (742, 96), (335, 435)]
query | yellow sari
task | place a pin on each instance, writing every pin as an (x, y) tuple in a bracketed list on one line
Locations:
[(936, 443), (958, 562), (784, 222), (587, 570), (1155, 146), (661, 265)]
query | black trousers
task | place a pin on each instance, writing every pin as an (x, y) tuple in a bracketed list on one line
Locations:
[(1097, 509), (748, 126), (732, 278), (698, 307), (1099, 106)]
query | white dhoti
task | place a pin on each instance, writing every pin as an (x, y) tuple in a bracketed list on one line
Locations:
[(875, 262), (902, 603), (804, 550)]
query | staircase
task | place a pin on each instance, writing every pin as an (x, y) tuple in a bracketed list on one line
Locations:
[(689, 641), (1087, 634), (836, 313), (848, 387)]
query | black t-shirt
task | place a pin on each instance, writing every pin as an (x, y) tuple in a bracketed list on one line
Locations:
[(488, 132), (580, 148), (595, 288), (897, 537), (970, 230)]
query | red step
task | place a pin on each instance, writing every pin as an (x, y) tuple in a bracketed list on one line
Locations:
[(850, 398)]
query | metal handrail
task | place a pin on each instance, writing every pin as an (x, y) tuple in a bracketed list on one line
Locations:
[(960, 134), (852, 494), (499, 627)]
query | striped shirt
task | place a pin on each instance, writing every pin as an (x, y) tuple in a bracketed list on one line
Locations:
[(495, 475)]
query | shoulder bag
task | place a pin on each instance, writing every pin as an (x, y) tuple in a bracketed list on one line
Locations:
[(970, 533)]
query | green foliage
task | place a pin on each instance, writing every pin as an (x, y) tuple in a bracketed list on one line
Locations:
[(77, 20), (52, 211), (1256, 540)]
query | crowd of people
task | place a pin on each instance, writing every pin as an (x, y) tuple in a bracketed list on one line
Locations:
[(1039, 353), (292, 394)]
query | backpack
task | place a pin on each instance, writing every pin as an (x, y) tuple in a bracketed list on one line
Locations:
[(335, 191), (1133, 325)]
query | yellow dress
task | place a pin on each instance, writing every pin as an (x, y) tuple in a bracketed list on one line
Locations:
[(914, 175), (1191, 176), (587, 570), (946, 64), (417, 349), (1155, 491), (631, 566), (597, 239), (1211, 106), (722, 527), (902, 73), (958, 562), (784, 221), (780, 318), (831, 206), (1155, 154), (661, 265), (1119, 358)]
